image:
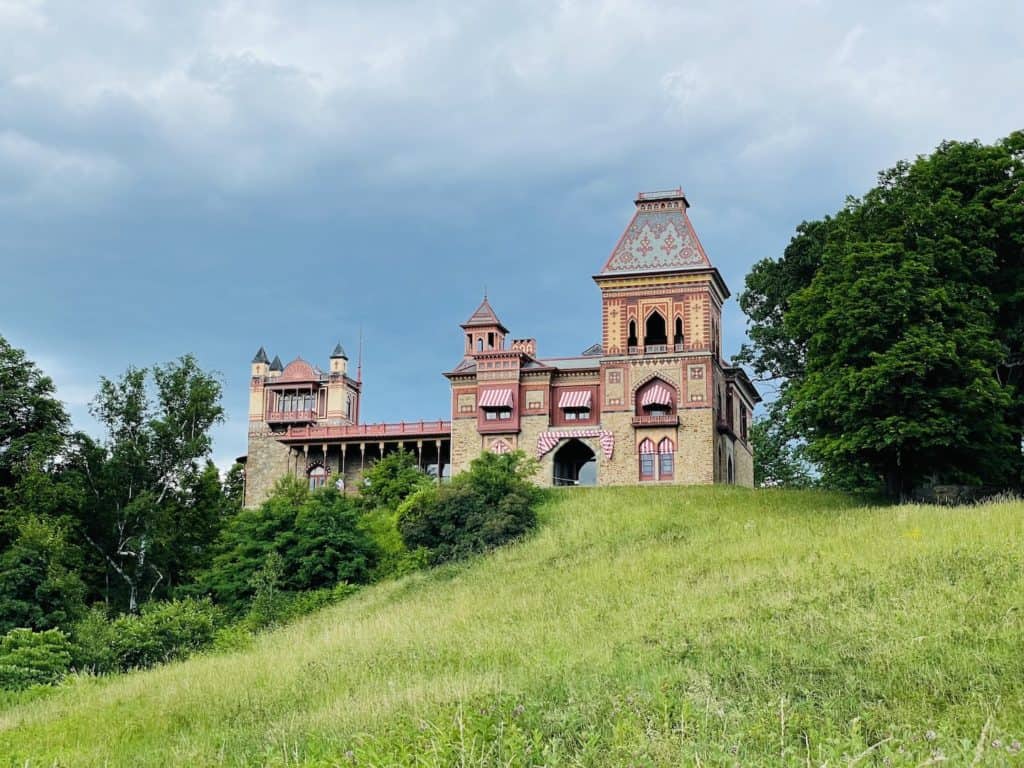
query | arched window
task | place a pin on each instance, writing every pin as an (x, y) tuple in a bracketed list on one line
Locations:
[(654, 330), (677, 338), (631, 341), (656, 398), (647, 459), (732, 475), (317, 477), (666, 459), (480, 344)]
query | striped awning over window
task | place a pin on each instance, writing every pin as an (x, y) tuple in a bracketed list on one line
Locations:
[(658, 394), (574, 399), (647, 446), (496, 398)]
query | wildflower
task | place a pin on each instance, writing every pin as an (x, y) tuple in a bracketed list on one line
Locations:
[(1014, 747), (997, 743), (930, 735), (519, 709), (938, 755), (350, 755), (733, 749)]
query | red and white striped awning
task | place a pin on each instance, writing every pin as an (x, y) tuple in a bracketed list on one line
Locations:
[(579, 398), (496, 398), (658, 394)]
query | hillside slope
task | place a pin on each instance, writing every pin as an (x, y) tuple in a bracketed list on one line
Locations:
[(660, 626)]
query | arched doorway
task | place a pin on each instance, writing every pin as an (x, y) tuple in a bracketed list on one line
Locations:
[(575, 464)]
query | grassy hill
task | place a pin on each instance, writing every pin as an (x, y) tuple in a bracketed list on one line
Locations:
[(661, 626)]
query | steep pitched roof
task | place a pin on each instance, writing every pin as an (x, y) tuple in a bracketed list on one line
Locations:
[(276, 364), (659, 238), (261, 356), (339, 351), (484, 315)]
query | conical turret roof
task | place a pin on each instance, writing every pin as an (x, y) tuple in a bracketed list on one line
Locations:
[(276, 365), (339, 351), (261, 356)]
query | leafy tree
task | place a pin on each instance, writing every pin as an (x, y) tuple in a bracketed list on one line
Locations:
[(316, 535), (234, 487), (778, 460), (40, 585), (894, 327), (147, 488), (391, 480), (33, 423), (491, 504)]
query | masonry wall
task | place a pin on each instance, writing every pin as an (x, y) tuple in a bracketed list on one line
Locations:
[(267, 462), (744, 465)]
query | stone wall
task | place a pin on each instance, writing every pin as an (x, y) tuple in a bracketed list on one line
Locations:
[(267, 462), (744, 465), (695, 461), (466, 444)]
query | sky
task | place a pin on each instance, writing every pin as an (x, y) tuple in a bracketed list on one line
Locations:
[(209, 177)]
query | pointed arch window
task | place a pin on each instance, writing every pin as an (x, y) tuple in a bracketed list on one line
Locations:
[(317, 477), (647, 459), (655, 333), (677, 337), (666, 459), (632, 340)]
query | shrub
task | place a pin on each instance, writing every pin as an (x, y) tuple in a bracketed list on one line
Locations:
[(391, 481), (30, 658), (93, 643), (494, 502), (163, 632), (316, 536)]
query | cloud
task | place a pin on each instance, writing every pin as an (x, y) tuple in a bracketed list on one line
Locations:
[(244, 97)]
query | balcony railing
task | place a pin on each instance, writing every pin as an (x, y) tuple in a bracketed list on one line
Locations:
[(656, 349), (282, 417), (656, 420), (402, 429)]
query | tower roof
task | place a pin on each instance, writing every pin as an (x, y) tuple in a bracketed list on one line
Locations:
[(339, 351), (659, 238), (484, 315), (261, 356), (276, 365)]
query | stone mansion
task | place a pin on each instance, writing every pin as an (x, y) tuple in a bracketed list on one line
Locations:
[(652, 402)]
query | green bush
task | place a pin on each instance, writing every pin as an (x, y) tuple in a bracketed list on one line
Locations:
[(163, 632), (30, 658), (316, 535), (93, 644), (491, 504)]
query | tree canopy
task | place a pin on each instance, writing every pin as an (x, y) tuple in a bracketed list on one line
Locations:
[(893, 328)]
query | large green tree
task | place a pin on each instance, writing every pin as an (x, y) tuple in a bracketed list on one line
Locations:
[(33, 423), (150, 498), (894, 327)]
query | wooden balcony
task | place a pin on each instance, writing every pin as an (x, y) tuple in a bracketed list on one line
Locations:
[(291, 417), (403, 430), (661, 420)]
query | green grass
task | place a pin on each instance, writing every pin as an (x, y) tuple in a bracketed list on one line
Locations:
[(662, 626)]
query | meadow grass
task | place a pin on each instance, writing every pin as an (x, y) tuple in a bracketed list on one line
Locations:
[(638, 626)]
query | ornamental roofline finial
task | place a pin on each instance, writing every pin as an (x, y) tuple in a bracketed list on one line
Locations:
[(484, 315)]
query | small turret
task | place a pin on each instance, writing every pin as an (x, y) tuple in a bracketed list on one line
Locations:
[(339, 360), (484, 331), (260, 363), (276, 367)]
